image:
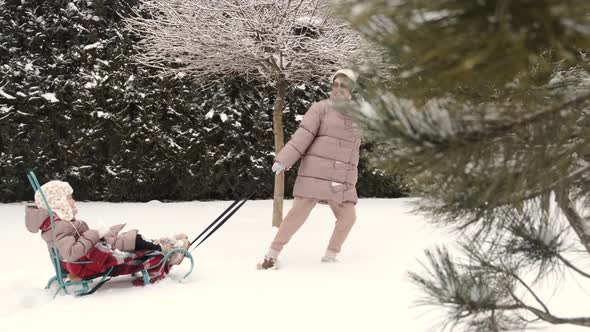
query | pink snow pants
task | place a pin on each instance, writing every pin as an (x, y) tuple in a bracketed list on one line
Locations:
[(345, 218)]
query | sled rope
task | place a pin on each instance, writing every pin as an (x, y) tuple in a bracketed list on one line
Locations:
[(221, 219)]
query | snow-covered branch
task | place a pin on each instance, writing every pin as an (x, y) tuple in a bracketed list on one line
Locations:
[(206, 38)]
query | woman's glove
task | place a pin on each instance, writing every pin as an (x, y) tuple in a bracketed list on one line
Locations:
[(277, 167)]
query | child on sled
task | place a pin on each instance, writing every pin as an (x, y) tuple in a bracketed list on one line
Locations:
[(76, 241)]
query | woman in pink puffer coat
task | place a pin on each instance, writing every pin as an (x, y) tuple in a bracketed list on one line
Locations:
[(327, 142)]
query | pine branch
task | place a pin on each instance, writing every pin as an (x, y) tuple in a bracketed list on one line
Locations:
[(548, 317), (484, 127), (478, 253), (448, 44), (529, 289), (544, 314), (574, 218), (542, 190), (573, 267), (493, 132)]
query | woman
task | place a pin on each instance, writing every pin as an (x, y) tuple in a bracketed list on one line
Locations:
[(328, 143)]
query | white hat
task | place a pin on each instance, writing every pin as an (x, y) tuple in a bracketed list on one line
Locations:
[(351, 74), (56, 192)]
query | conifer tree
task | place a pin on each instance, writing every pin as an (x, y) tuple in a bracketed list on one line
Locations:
[(485, 110)]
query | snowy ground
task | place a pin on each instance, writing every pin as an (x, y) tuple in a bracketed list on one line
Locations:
[(367, 291)]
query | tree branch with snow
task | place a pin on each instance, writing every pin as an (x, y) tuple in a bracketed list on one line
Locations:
[(254, 38)]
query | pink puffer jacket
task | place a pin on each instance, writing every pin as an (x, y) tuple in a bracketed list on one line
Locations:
[(73, 238), (328, 144)]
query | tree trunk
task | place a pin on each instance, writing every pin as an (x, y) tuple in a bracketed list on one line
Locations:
[(575, 220), (277, 210)]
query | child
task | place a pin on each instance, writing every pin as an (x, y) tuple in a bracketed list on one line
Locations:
[(74, 239)]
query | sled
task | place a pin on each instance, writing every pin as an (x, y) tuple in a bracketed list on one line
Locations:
[(150, 272)]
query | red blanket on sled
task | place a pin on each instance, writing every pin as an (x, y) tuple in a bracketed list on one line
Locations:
[(101, 258)]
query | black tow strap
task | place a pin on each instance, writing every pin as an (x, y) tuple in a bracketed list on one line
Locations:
[(221, 219)]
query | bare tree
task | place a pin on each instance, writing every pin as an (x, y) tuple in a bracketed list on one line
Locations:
[(279, 41)]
